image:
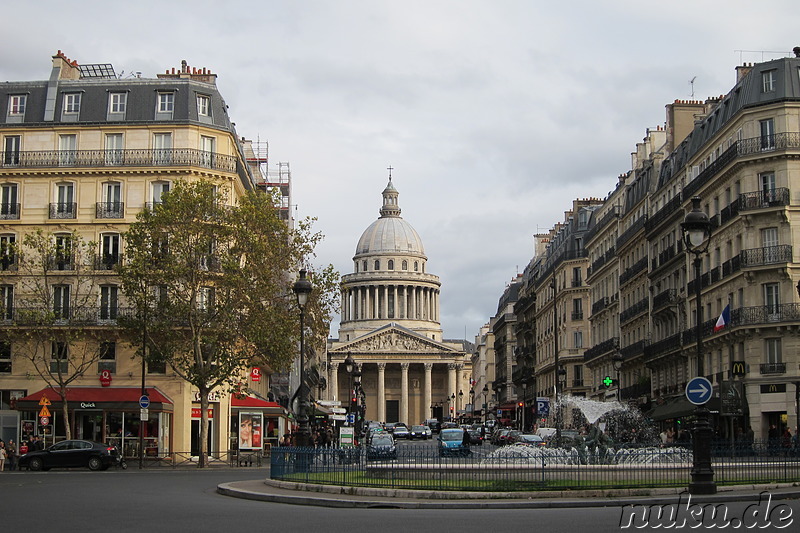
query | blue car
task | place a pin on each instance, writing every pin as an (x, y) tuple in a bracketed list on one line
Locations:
[(451, 443)]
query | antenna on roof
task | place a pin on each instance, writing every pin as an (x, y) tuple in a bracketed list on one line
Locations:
[(691, 82)]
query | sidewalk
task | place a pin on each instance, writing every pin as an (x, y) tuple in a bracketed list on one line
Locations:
[(357, 497)]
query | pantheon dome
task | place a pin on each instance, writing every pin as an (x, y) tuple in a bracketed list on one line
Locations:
[(390, 233)]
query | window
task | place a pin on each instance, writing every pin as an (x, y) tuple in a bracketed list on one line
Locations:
[(7, 251), (59, 358), (576, 276), (117, 102), (6, 302), (771, 298), (111, 204), (166, 102), (108, 357), (577, 309), (578, 336), (767, 180), (109, 251), (65, 206), (391, 264), (159, 295), (5, 358), (377, 264), (61, 302), (365, 266), (767, 134), (207, 151), (768, 81), (416, 266), (158, 190), (67, 149), (11, 147), (203, 106), (156, 361), (205, 298), (16, 104), (773, 351), (63, 252), (108, 302), (72, 103), (769, 237), (405, 265), (9, 205), (162, 148), (115, 145)]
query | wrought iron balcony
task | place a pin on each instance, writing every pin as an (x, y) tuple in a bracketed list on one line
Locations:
[(107, 261), (577, 315), (61, 210), (9, 211), (633, 311), (110, 210), (120, 158), (749, 201), (772, 368), (664, 298), (766, 256)]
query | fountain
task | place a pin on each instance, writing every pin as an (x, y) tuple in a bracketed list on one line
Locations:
[(610, 433)]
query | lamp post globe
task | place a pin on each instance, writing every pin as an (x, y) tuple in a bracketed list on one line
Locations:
[(696, 229), (302, 289)]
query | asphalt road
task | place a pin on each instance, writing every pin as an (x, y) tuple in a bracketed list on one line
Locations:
[(186, 500)]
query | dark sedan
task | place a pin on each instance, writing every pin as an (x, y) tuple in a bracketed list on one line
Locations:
[(71, 454), (381, 448)]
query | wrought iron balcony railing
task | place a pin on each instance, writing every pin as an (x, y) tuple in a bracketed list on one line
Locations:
[(766, 256), (110, 210), (59, 210), (9, 211), (119, 158), (772, 368)]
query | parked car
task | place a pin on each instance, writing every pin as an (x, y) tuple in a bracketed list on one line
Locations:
[(381, 448), (434, 424), (420, 432), (71, 454), (450, 442), (499, 436), (475, 436), (401, 432)]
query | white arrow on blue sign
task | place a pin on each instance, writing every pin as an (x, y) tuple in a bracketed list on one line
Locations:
[(698, 390), (351, 418), (144, 401)]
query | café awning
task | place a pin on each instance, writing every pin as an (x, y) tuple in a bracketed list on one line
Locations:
[(106, 398), (257, 404)]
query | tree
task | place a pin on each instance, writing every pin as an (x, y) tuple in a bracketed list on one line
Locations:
[(56, 316), (210, 286)]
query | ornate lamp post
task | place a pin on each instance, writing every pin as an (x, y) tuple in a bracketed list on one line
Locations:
[(472, 403), (485, 403), (697, 235), (302, 289), (556, 367), (460, 402), (560, 375), (616, 361)]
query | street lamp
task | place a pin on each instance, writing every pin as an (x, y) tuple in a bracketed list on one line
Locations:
[(697, 236), (460, 402), (453, 407), (485, 402), (302, 289), (561, 374), (557, 368), (472, 403), (524, 403), (616, 361)]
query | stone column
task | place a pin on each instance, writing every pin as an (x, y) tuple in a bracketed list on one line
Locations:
[(381, 392), (451, 387), (367, 304), (395, 303), (385, 302), (404, 393), (333, 381), (427, 396), (413, 313)]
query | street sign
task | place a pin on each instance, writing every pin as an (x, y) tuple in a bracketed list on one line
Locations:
[(351, 418), (44, 411), (330, 403), (144, 414), (698, 391), (338, 410), (730, 395), (341, 418), (738, 369), (144, 401), (543, 406), (44, 420), (44, 400)]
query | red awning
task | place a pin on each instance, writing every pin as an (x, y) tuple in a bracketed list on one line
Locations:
[(250, 401), (101, 397)]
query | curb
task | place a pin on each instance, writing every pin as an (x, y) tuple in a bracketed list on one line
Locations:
[(367, 498)]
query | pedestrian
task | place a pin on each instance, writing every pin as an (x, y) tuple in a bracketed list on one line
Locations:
[(2, 455), (11, 450)]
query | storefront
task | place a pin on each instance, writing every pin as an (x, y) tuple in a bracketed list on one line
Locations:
[(103, 414), (256, 424)]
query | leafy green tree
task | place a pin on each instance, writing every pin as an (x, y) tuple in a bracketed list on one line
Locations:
[(56, 313), (210, 286)]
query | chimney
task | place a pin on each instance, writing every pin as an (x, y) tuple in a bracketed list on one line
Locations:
[(67, 69), (743, 71), (796, 51), (190, 73)]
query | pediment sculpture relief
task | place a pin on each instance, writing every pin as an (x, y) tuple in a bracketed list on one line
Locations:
[(393, 342)]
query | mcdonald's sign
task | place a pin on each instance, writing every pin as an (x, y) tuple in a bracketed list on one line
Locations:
[(738, 369), (773, 387)]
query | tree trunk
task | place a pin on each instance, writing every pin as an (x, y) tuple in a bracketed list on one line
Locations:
[(201, 463), (65, 413)]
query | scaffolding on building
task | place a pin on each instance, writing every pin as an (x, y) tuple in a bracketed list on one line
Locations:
[(270, 179)]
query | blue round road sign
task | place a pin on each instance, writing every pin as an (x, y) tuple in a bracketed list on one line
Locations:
[(699, 390), (144, 401)]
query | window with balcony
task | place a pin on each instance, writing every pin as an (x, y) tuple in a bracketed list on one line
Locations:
[(207, 151), (62, 257), (108, 302), (773, 359), (7, 251), (67, 149), (61, 310), (767, 128), (771, 299), (9, 202), (115, 146), (11, 148), (6, 302), (157, 190), (205, 298), (108, 357), (5, 357), (162, 148)]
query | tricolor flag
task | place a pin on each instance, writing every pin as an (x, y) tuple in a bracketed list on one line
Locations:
[(724, 319)]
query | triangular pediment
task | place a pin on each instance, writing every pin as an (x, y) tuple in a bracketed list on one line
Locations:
[(394, 339)]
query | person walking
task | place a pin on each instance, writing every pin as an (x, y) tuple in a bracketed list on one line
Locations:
[(11, 450), (2, 455)]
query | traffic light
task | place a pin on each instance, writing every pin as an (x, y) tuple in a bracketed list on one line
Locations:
[(521, 405)]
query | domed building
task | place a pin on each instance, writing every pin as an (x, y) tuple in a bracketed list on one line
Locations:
[(390, 327)]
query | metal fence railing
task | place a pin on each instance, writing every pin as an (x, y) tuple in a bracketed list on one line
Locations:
[(529, 468)]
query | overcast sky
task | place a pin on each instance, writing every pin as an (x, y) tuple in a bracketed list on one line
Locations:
[(494, 114)]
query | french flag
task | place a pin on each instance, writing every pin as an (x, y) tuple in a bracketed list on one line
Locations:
[(724, 319)]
